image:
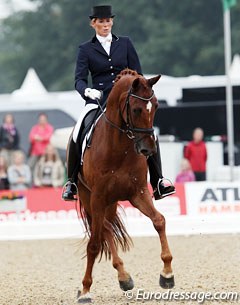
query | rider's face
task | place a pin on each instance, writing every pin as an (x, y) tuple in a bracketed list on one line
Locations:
[(102, 26)]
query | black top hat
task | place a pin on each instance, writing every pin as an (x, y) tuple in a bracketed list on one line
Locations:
[(102, 11)]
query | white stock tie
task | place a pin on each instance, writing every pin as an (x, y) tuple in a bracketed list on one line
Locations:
[(105, 42)]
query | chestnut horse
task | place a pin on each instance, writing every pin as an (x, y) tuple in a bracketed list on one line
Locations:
[(115, 169)]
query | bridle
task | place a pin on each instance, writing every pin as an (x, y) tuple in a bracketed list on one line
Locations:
[(130, 130)]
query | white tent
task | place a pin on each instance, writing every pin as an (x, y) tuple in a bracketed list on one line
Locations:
[(31, 86)]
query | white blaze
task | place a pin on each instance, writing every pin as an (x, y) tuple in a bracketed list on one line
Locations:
[(149, 106)]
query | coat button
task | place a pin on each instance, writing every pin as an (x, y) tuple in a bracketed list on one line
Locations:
[(109, 59), (111, 67), (112, 73), (113, 81)]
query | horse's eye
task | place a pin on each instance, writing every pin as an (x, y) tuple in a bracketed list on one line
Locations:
[(137, 111)]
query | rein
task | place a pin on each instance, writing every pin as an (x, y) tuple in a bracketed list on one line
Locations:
[(130, 130)]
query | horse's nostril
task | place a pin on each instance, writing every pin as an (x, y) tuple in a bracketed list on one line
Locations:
[(145, 152)]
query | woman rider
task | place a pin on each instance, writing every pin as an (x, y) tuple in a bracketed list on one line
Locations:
[(105, 55)]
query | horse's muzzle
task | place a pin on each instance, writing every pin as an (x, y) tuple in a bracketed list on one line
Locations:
[(146, 146)]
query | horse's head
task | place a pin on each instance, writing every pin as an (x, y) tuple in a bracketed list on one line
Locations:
[(138, 113)]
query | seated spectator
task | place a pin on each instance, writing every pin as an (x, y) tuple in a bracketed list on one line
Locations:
[(39, 138), (4, 183), (9, 137), (19, 173), (186, 174), (49, 170)]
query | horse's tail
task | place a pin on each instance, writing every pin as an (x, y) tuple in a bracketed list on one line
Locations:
[(119, 233), (83, 215), (117, 228)]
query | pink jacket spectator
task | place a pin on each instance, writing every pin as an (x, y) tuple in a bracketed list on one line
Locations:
[(185, 176), (44, 133)]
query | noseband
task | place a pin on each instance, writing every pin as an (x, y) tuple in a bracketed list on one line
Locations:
[(130, 130)]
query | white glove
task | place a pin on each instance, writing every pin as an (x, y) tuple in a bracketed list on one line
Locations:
[(93, 94)]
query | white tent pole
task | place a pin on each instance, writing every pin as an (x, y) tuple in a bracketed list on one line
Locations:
[(229, 98)]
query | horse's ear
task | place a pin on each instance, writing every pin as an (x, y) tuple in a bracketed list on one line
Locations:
[(152, 81), (136, 83)]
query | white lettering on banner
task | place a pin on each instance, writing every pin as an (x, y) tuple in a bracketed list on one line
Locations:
[(39, 216), (168, 206), (212, 198)]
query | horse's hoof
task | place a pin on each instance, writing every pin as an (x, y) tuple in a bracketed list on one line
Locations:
[(166, 282), (83, 299), (127, 285)]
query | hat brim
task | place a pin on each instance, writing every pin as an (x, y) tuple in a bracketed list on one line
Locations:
[(101, 17)]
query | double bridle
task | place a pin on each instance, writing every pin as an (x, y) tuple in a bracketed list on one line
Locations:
[(130, 130)]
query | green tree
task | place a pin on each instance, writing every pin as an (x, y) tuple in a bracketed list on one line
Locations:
[(172, 37)]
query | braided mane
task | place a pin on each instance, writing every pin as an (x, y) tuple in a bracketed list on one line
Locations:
[(125, 72)]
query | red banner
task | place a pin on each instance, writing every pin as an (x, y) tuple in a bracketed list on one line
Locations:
[(46, 204)]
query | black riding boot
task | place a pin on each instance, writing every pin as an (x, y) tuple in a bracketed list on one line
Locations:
[(156, 177), (73, 163), (74, 155)]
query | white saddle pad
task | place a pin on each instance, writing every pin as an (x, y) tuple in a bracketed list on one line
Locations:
[(86, 110)]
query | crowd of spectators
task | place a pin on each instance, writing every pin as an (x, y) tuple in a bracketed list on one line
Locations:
[(42, 167)]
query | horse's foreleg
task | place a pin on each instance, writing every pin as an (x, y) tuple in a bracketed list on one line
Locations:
[(144, 203), (93, 248), (124, 278)]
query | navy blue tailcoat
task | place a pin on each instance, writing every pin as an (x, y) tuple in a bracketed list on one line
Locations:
[(103, 67)]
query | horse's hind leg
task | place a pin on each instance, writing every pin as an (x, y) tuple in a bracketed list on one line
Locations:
[(144, 203), (125, 280)]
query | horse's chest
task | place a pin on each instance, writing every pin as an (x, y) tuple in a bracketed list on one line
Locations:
[(123, 185)]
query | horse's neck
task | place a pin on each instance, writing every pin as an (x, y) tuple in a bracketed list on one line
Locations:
[(113, 115), (114, 107), (118, 138)]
